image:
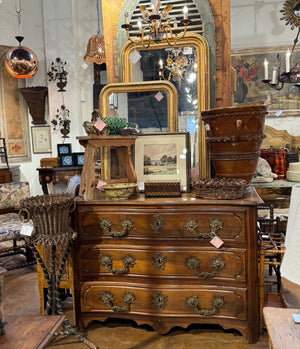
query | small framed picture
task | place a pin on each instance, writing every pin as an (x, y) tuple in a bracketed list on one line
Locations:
[(65, 148), (67, 159), (41, 139), (163, 157), (78, 159)]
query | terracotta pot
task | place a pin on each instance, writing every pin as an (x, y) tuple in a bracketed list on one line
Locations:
[(35, 98), (235, 135)]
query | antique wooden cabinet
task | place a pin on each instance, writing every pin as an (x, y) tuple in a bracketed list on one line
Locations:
[(153, 261)]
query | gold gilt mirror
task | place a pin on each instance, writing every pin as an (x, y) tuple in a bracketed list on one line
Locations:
[(157, 63), (152, 105), (291, 13)]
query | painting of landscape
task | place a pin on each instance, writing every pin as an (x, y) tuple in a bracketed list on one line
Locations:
[(160, 159)]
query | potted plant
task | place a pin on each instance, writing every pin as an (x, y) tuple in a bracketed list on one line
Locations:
[(119, 126)]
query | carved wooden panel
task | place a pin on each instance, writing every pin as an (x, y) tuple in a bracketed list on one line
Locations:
[(280, 139)]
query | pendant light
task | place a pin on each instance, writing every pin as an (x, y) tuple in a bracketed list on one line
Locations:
[(20, 61), (95, 52)]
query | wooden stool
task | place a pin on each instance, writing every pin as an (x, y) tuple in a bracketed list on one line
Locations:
[(124, 152), (283, 331)]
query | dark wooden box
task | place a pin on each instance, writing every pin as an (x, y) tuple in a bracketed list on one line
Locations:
[(162, 189)]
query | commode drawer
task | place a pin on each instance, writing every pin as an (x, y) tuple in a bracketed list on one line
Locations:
[(147, 261), (112, 299), (161, 224)]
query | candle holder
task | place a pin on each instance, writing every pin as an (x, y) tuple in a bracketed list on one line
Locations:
[(291, 75), (58, 72)]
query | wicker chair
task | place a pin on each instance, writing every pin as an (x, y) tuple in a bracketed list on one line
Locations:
[(10, 225)]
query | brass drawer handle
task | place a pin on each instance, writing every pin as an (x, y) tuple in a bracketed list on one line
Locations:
[(159, 301), (217, 263), (107, 298), (217, 303), (192, 226), (107, 261), (105, 224), (158, 223)]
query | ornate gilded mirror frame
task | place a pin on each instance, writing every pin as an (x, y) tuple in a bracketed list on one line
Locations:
[(202, 51), (147, 86)]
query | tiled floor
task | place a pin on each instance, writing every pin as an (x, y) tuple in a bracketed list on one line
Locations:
[(21, 298)]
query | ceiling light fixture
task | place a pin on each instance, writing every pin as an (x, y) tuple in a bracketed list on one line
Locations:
[(156, 24)]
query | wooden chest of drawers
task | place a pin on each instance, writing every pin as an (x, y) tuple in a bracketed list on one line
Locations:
[(152, 261)]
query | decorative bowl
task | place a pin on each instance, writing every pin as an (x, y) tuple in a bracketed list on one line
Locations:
[(119, 190)]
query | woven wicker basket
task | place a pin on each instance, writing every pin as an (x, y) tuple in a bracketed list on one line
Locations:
[(221, 189), (50, 216)]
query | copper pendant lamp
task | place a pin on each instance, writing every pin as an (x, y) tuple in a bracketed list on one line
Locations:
[(95, 52), (20, 61)]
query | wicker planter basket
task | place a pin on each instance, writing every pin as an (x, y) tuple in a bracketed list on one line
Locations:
[(220, 189), (35, 98), (50, 216)]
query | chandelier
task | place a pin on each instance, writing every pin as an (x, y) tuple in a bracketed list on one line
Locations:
[(178, 61), (291, 74), (156, 24), (95, 51)]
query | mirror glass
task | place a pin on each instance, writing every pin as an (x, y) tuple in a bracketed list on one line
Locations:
[(297, 10), (179, 66), (147, 109)]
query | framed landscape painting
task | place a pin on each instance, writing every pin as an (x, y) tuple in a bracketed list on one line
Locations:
[(163, 157), (249, 66)]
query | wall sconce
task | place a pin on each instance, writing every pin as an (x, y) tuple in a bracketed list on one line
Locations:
[(58, 72), (158, 24)]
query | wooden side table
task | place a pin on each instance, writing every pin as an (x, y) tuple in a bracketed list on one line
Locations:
[(283, 331), (56, 175), (123, 145)]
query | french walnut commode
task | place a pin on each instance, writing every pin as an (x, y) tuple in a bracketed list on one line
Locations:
[(151, 261)]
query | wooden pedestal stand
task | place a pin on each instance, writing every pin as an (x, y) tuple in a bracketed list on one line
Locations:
[(123, 145)]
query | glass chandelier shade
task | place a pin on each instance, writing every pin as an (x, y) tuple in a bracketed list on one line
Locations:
[(21, 62)]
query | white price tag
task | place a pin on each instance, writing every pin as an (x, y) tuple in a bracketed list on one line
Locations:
[(296, 318), (278, 113), (26, 229), (188, 50), (135, 56), (84, 65), (207, 127)]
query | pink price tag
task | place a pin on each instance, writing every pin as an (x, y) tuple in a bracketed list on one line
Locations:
[(100, 124), (216, 242), (101, 184), (159, 96)]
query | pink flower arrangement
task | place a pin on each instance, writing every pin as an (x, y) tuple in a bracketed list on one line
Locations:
[(246, 69)]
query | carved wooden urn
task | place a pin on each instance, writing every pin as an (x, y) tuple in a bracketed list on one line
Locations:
[(234, 135)]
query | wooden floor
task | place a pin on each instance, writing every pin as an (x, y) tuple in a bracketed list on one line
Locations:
[(21, 298)]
